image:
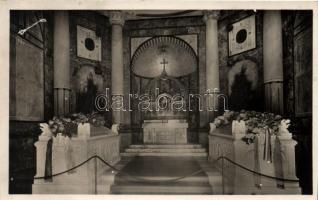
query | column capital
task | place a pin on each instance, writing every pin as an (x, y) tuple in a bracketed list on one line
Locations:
[(117, 17), (211, 14)]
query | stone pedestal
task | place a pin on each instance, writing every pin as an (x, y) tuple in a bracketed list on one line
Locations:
[(41, 147), (165, 131), (289, 166)]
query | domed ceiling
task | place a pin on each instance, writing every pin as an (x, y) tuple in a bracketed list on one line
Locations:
[(167, 53)]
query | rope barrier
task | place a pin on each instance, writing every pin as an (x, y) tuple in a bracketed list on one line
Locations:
[(115, 169), (255, 172), (150, 180), (60, 173), (159, 181)]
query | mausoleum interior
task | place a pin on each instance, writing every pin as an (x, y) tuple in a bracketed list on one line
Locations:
[(160, 102)]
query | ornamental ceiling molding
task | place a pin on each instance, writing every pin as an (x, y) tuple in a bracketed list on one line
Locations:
[(167, 14), (160, 53)]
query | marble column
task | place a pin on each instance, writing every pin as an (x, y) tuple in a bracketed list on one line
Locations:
[(212, 58), (273, 61), (61, 63), (116, 18)]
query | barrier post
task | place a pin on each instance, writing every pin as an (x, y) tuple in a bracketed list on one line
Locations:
[(222, 175), (95, 166)]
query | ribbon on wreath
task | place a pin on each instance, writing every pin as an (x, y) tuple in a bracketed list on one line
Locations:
[(48, 161), (278, 163), (257, 168), (267, 152), (267, 156), (69, 158), (271, 156)]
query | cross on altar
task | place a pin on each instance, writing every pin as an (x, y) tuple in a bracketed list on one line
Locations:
[(164, 62)]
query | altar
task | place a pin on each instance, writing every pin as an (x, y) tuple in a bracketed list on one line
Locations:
[(171, 131)]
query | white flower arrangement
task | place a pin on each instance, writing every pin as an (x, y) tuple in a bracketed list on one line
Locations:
[(67, 126), (256, 123)]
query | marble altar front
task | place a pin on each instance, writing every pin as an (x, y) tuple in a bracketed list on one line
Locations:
[(172, 131)]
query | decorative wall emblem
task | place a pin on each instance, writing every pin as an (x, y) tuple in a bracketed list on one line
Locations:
[(242, 36), (88, 44)]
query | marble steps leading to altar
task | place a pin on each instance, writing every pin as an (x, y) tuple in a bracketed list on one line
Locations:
[(163, 189), (163, 146), (189, 181), (194, 150), (153, 175), (161, 150)]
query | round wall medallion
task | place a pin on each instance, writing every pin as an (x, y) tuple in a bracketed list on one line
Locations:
[(89, 44), (241, 36)]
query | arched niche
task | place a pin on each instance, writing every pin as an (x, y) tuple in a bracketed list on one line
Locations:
[(172, 53), (170, 63)]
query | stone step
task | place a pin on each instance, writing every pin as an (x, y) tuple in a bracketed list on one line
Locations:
[(165, 146), (108, 177), (169, 154), (214, 175), (184, 184), (172, 184), (161, 150), (148, 189), (161, 180)]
